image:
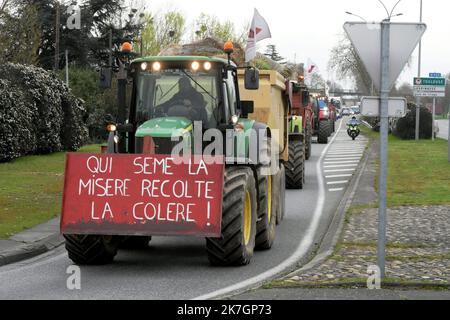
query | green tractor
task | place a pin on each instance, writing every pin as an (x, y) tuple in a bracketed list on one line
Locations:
[(174, 96)]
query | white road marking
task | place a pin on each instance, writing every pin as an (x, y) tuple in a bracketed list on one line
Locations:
[(302, 249), (341, 161), (341, 166), (339, 176), (336, 189), (340, 170), (332, 183)]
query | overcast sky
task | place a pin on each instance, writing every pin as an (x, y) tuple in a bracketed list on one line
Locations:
[(310, 28)]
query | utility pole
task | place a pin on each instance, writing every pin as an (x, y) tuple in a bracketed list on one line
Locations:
[(57, 29), (67, 67), (418, 76), (110, 48), (384, 132)]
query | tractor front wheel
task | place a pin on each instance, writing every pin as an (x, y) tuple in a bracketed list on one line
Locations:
[(236, 245), (92, 250)]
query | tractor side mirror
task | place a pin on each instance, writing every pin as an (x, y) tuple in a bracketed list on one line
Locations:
[(305, 98), (252, 79), (247, 107)]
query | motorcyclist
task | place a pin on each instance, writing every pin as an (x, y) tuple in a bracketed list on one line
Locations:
[(353, 128)]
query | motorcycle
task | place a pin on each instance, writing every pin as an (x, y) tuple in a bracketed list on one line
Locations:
[(353, 131)]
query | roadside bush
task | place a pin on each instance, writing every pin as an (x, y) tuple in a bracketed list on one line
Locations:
[(406, 127), (38, 114), (84, 84)]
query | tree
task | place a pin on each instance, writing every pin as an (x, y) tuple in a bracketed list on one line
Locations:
[(209, 26), (347, 64), (272, 53), (162, 31), (20, 35)]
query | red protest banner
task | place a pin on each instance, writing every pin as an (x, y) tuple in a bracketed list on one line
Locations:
[(142, 195)]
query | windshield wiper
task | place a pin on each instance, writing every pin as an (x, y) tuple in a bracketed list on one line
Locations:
[(198, 84)]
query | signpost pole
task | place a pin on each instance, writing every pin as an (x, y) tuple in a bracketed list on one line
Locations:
[(434, 118), (418, 75), (384, 131)]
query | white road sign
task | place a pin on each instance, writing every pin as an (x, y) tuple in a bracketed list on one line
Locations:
[(366, 38), (370, 107)]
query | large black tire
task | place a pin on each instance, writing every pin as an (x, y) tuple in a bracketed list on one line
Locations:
[(282, 194), (308, 143), (324, 132), (92, 250), (295, 167), (267, 211), (235, 247), (135, 243)]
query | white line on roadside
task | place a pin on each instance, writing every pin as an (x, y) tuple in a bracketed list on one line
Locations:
[(303, 246), (339, 176), (333, 183)]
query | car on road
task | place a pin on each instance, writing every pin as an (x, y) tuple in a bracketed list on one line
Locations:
[(356, 110), (346, 112)]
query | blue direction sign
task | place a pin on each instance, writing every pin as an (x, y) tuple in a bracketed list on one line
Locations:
[(435, 75)]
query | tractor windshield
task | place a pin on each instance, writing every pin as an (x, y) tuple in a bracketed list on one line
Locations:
[(178, 93)]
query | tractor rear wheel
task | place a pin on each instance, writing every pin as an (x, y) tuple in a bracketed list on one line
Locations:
[(267, 213), (324, 132), (92, 250), (236, 245), (295, 168), (282, 194), (133, 243)]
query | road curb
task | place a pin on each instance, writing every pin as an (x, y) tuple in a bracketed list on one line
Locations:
[(334, 232), (27, 251)]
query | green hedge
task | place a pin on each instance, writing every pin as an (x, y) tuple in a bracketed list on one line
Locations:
[(38, 114), (406, 127)]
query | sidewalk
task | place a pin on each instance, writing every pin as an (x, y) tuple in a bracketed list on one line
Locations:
[(31, 243), (418, 254)]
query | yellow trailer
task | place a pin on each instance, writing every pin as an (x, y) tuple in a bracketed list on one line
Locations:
[(271, 106)]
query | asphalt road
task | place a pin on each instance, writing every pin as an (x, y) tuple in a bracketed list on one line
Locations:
[(443, 129), (177, 268)]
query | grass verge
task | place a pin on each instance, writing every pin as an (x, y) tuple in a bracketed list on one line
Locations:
[(31, 191), (419, 172)]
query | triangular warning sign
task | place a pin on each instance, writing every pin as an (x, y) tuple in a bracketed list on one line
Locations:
[(366, 38)]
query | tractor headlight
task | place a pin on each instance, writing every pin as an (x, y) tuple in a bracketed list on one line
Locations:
[(156, 67), (234, 120), (195, 66), (144, 66), (207, 65)]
